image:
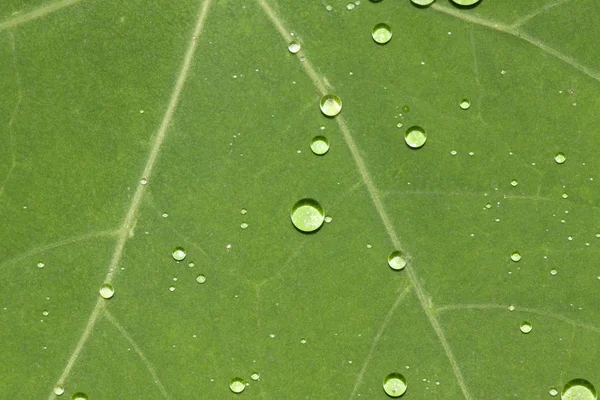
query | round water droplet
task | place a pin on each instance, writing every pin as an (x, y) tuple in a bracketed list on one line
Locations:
[(303, 341), (307, 215), (244, 225), (422, 2), (465, 104), (415, 137), (553, 272), (381, 33), (405, 109), (319, 145), (79, 396), (294, 47), (396, 260), (466, 2), (525, 327), (331, 105), (41, 265), (514, 183), (399, 125), (165, 215), (515, 256), (511, 308), (172, 289), (255, 376), (107, 291), (579, 389), (191, 264), (243, 211), (178, 254), (553, 392), (350, 6), (560, 158), (328, 219), (453, 152), (394, 384), (45, 313), (59, 390), (237, 385), (200, 278)]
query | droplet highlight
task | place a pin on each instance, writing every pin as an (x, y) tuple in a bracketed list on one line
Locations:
[(415, 137), (330, 105), (178, 254), (237, 385), (394, 384), (319, 145), (396, 260), (107, 291), (579, 389), (381, 33), (525, 327), (560, 158), (307, 215)]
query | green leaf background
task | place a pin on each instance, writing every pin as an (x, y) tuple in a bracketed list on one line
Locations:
[(203, 99)]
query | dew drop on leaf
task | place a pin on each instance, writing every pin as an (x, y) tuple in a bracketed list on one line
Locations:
[(143, 181), (243, 211), (350, 6), (294, 47), (255, 376), (237, 385), (511, 308), (422, 2), (579, 389), (553, 272), (59, 390), (200, 278), (514, 183), (466, 2), (394, 384), (525, 327), (45, 313), (107, 291), (41, 265), (307, 215), (381, 33), (553, 392), (515, 256), (396, 260), (331, 105), (560, 158), (319, 145), (415, 137), (79, 396), (244, 225), (465, 104), (178, 253), (328, 219)]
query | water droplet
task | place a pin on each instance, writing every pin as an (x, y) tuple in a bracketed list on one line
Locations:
[(394, 384), (422, 2), (178, 254), (191, 265), (303, 341), (381, 33), (172, 289), (59, 390), (237, 385), (515, 256), (45, 313), (307, 215), (165, 215), (143, 181), (564, 195), (244, 225), (553, 392), (328, 7), (405, 109), (525, 327), (319, 145), (579, 389), (560, 158), (79, 396), (465, 104), (350, 6), (553, 272), (243, 211), (396, 260), (453, 152), (328, 219), (331, 105), (294, 47), (514, 183), (200, 278), (466, 2), (415, 137), (399, 125), (511, 308), (488, 205), (255, 376), (107, 291)]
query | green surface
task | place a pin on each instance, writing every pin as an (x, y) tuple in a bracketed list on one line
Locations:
[(215, 115)]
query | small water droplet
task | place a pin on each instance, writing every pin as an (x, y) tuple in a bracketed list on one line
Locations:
[(107, 291), (200, 278), (330, 105), (488, 205), (41, 265), (553, 392), (45, 313), (237, 385), (515, 256), (244, 225), (79, 396), (143, 181), (394, 384), (405, 109), (553, 272), (191, 264), (328, 7), (319, 145), (272, 336), (514, 183), (415, 137), (560, 158), (511, 308), (59, 390), (172, 288), (422, 2), (303, 341), (243, 211), (328, 219), (350, 6), (255, 376), (396, 260), (466, 2), (453, 152), (578, 389), (178, 254), (564, 195), (399, 125), (381, 33), (294, 47), (525, 327), (165, 215), (307, 215), (465, 104)]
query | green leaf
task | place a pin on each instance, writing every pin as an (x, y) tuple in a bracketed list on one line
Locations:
[(131, 129)]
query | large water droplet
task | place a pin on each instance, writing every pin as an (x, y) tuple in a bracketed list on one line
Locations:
[(422, 2), (515, 256), (294, 47), (381, 33), (560, 158), (465, 104), (319, 145), (237, 385), (178, 254), (107, 291), (415, 137), (579, 389), (396, 260), (307, 215), (59, 390), (79, 396), (394, 384), (331, 105), (526, 327), (466, 2)]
